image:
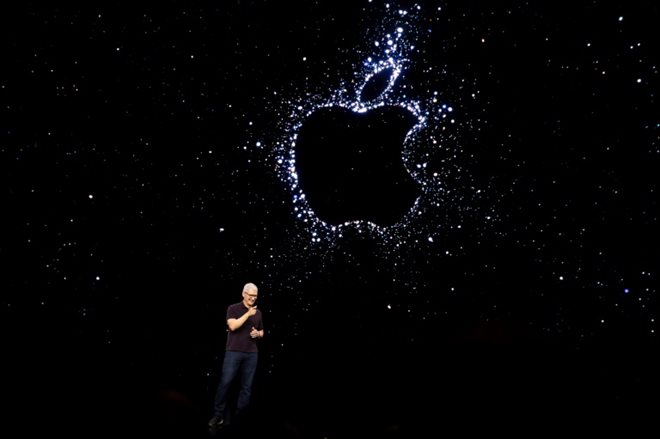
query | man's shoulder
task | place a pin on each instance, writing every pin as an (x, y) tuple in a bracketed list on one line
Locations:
[(235, 306)]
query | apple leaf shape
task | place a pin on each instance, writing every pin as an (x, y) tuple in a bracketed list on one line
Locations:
[(377, 85)]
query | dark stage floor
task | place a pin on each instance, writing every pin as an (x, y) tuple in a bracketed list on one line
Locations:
[(471, 387)]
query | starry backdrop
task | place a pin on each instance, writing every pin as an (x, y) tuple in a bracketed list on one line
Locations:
[(504, 260)]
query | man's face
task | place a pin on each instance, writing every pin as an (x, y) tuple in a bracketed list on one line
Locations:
[(250, 297)]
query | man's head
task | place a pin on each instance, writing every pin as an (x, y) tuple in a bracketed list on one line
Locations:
[(250, 294)]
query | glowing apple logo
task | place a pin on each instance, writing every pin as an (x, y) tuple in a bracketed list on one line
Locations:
[(365, 156)]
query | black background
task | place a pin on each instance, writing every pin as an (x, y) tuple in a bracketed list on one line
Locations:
[(113, 306)]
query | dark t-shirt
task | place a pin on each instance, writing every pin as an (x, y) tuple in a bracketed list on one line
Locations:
[(240, 340)]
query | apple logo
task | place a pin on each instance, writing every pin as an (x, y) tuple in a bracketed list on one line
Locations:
[(350, 160), (364, 156)]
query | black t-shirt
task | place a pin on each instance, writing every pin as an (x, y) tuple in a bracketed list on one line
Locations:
[(240, 340)]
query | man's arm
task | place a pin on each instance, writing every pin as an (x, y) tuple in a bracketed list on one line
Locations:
[(234, 324)]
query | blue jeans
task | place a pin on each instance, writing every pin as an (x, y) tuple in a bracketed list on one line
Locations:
[(235, 362)]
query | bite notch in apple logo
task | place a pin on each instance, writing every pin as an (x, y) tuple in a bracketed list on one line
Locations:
[(350, 157)]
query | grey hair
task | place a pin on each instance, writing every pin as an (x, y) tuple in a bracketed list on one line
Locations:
[(250, 287)]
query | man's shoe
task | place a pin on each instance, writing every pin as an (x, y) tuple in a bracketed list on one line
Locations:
[(216, 422)]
